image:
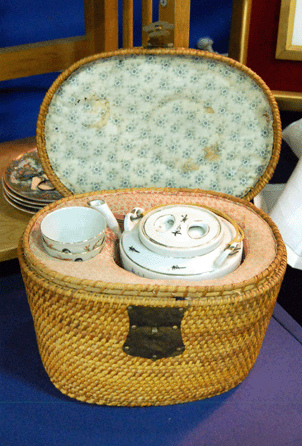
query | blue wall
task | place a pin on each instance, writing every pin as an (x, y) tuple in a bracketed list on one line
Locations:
[(32, 21)]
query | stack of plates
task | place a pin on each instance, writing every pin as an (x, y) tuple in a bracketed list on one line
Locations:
[(25, 185)]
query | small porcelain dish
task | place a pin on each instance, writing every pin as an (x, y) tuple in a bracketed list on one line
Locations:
[(73, 257), (180, 242), (76, 229)]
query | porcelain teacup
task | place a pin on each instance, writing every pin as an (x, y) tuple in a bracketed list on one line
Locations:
[(75, 229), (71, 256)]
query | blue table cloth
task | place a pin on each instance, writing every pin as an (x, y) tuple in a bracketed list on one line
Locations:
[(264, 410)]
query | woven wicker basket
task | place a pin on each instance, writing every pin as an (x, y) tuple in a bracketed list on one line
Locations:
[(135, 341)]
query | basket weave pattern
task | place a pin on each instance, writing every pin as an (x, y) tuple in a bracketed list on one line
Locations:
[(81, 325), (80, 337)]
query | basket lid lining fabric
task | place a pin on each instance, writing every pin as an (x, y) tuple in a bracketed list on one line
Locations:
[(164, 121)]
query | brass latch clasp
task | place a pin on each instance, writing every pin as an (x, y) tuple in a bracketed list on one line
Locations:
[(154, 332), (160, 35)]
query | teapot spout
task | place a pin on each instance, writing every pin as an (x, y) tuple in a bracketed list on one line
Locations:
[(103, 208)]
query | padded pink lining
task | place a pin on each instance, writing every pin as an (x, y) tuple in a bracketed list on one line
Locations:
[(259, 244)]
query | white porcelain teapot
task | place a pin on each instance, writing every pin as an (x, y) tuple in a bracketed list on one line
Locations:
[(188, 242)]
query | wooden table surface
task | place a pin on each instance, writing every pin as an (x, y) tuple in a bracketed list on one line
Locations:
[(12, 221)]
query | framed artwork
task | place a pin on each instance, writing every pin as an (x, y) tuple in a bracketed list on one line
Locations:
[(257, 28), (289, 42)]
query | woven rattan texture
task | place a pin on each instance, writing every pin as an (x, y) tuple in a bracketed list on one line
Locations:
[(81, 326), (80, 337)]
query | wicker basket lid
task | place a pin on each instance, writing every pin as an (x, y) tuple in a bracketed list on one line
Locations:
[(159, 118)]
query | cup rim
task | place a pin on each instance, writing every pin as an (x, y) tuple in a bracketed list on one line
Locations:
[(79, 241)]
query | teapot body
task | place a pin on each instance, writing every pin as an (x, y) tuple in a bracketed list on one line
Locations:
[(179, 242)]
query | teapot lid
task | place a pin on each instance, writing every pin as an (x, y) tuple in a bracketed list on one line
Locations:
[(182, 240), (180, 231)]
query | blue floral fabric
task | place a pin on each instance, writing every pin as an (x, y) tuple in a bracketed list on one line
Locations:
[(162, 121)]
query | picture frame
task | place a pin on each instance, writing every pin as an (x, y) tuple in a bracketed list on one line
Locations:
[(253, 41), (289, 42)]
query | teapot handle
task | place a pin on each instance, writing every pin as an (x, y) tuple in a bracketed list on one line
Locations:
[(132, 218), (230, 249)]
